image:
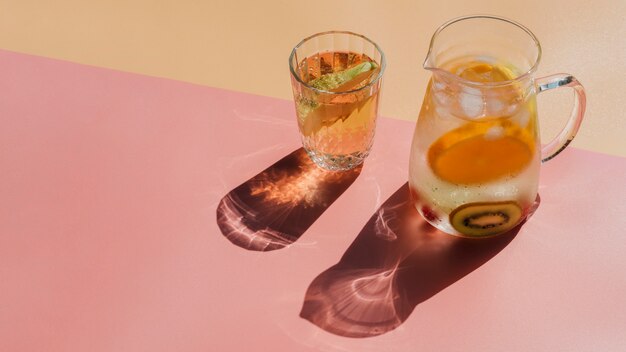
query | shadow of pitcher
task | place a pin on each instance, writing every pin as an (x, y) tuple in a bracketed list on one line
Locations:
[(397, 261)]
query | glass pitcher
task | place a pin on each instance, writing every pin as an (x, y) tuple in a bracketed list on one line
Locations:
[(474, 166)]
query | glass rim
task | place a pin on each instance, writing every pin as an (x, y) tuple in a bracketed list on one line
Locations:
[(383, 63), (515, 80)]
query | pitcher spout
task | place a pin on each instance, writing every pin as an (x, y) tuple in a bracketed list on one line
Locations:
[(432, 64), (429, 62), (438, 73)]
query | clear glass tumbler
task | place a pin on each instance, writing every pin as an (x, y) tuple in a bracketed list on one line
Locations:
[(336, 79)]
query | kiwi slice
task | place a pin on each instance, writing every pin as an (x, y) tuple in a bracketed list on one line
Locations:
[(485, 218)]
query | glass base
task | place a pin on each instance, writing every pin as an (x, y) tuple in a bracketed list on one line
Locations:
[(337, 162)]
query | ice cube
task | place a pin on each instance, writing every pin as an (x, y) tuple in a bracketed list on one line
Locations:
[(495, 106), (325, 67), (472, 105), (494, 132), (524, 117), (340, 61)]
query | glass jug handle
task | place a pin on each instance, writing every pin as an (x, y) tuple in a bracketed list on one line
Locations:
[(567, 134)]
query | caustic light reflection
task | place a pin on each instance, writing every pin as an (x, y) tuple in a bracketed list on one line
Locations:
[(360, 297), (356, 303), (397, 261), (286, 187), (274, 208)]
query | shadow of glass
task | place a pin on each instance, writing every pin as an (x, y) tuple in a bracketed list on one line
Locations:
[(274, 208), (396, 262)]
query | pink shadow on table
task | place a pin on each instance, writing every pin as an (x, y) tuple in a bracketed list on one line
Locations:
[(274, 208), (397, 261)]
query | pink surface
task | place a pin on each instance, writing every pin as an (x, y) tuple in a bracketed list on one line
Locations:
[(109, 236)]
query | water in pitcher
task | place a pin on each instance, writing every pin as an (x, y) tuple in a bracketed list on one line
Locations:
[(476, 153)]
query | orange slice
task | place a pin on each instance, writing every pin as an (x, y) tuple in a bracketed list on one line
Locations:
[(471, 155)]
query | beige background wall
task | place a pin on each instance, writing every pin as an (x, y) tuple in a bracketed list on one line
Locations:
[(244, 45)]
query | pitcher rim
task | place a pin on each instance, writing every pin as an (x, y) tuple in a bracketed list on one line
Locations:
[(517, 79), (383, 62)]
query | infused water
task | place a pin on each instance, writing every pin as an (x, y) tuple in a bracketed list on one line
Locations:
[(475, 155)]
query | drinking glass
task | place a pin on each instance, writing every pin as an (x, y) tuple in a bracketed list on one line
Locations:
[(336, 79)]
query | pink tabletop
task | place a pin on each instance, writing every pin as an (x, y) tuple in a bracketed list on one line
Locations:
[(142, 214)]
